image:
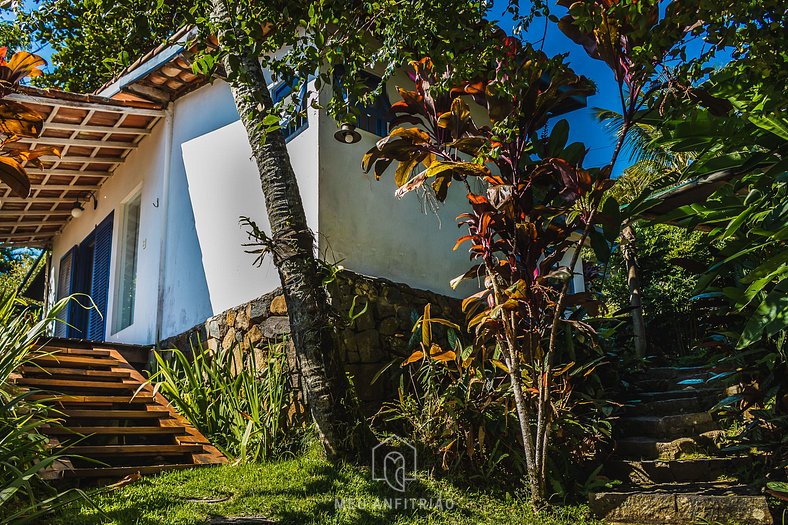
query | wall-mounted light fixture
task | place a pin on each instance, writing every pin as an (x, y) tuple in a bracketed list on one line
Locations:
[(347, 134), (77, 209)]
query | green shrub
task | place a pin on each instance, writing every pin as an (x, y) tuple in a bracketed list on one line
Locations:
[(454, 404), (241, 405), (24, 453)]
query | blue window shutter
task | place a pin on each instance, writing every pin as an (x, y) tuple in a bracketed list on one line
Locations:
[(99, 286), (291, 126), (375, 117), (65, 283)]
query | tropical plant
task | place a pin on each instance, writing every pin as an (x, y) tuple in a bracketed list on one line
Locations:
[(539, 205), (454, 404), (739, 191), (24, 450), (14, 265), (241, 401), (18, 121), (519, 228)]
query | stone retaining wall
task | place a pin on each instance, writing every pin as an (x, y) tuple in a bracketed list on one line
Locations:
[(368, 342)]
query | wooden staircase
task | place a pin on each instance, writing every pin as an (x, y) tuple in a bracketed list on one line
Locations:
[(110, 426)]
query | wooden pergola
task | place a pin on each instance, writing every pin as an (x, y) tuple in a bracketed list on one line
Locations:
[(94, 135)]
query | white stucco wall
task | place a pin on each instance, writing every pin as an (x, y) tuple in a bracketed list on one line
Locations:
[(186, 300), (363, 225), (224, 185)]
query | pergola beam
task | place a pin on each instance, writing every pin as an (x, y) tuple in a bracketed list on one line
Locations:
[(64, 187), (45, 213), (40, 200), (37, 235), (88, 128), (26, 98), (57, 141), (84, 160), (63, 171), (60, 222)]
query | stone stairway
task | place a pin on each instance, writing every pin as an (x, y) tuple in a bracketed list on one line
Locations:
[(110, 427), (668, 459)]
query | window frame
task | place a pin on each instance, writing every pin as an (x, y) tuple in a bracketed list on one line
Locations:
[(122, 250)]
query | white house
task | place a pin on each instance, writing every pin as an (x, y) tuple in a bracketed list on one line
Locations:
[(160, 166)]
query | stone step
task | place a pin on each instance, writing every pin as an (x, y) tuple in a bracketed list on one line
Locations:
[(676, 471), (670, 426), (675, 372), (679, 393), (664, 407), (642, 447), (682, 504), (649, 384)]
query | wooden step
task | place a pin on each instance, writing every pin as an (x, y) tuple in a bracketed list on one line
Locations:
[(44, 382), (125, 431), (136, 450), (117, 472), (67, 399), (78, 351), (116, 414), (75, 360), (57, 371)]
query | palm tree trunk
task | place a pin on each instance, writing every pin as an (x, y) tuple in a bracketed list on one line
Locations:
[(629, 251), (333, 406)]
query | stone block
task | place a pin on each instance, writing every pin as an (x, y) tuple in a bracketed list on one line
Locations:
[(369, 349), (242, 319), (231, 318), (229, 339), (365, 321), (213, 328), (278, 305), (212, 345), (388, 326), (258, 310), (275, 327), (254, 335)]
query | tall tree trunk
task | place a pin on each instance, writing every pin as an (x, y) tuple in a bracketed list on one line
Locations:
[(334, 408), (629, 251)]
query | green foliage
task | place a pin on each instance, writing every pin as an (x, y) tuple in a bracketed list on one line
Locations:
[(239, 401), (14, 265), (735, 122), (666, 287), (456, 407), (24, 450), (94, 40), (454, 403)]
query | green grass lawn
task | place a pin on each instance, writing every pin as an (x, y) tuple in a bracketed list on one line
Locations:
[(301, 491)]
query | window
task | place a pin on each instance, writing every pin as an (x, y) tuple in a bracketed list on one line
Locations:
[(127, 276), (64, 281), (291, 125), (374, 117)]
